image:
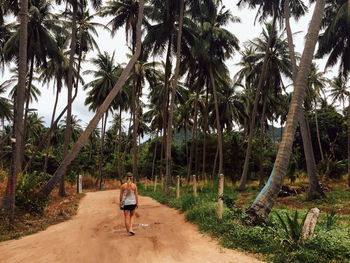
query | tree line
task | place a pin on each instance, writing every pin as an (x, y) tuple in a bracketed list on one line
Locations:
[(190, 91)]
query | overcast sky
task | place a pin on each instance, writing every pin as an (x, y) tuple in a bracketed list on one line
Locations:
[(246, 30)]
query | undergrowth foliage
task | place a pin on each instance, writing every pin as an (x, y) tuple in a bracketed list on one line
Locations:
[(279, 240)]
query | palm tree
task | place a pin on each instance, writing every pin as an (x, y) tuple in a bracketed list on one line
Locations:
[(99, 114), (41, 43), (105, 76), (335, 42), (262, 205), (125, 13), (314, 187), (17, 154), (265, 9), (214, 45)]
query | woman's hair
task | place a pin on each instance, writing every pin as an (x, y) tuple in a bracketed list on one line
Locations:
[(128, 182)]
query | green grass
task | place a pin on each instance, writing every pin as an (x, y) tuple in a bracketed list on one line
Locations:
[(272, 241)]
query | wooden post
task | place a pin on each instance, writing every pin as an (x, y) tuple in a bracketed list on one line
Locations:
[(178, 187), (221, 191), (194, 186), (155, 184), (146, 184)]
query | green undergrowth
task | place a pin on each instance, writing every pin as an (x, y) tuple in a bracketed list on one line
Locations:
[(273, 242)]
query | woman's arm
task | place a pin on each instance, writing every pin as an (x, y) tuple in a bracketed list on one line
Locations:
[(136, 196)]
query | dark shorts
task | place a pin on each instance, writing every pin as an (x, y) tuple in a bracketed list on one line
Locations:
[(128, 207)]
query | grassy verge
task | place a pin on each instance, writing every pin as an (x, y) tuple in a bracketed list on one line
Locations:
[(330, 242)]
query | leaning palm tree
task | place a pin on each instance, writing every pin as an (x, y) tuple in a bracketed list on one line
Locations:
[(99, 114), (262, 205)]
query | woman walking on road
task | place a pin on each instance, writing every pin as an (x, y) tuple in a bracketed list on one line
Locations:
[(128, 202)]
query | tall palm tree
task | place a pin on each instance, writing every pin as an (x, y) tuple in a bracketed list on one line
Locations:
[(17, 154), (105, 76), (99, 114), (41, 43), (262, 205), (213, 46), (125, 13)]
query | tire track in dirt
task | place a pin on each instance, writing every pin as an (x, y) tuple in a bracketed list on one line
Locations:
[(97, 234)]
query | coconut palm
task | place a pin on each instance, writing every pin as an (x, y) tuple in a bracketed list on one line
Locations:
[(213, 47), (105, 76), (262, 205), (8, 201), (99, 114), (41, 43)]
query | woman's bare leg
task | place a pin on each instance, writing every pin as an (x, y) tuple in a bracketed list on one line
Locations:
[(127, 220), (132, 216)]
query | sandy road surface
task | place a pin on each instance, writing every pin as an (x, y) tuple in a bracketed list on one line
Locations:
[(97, 234)]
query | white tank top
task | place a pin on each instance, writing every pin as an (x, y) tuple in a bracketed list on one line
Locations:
[(129, 199)]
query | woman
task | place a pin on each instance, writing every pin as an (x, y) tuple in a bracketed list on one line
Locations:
[(128, 202)]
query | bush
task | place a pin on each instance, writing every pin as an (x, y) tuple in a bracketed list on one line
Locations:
[(3, 176), (332, 169), (26, 197)]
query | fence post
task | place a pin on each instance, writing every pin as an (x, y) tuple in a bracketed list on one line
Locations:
[(178, 187), (194, 186), (221, 191), (155, 184), (146, 184)]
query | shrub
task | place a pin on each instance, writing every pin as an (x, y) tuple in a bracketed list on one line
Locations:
[(26, 198), (292, 227)]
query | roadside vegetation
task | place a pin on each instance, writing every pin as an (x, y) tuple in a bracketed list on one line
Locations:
[(280, 239)]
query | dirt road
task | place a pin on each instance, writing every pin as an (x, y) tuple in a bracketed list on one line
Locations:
[(97, 234)]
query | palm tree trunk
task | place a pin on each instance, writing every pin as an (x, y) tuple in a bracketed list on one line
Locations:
[(29, 88), (348, 120), (119, 142), (264, 202), (100, 163), (193, 133), (318, 135), (218, 125), (48, 141), (243, 179), (262, 142), (154, 157), (215, 161), (314, 186), (17, 154), (205, 134), (135, 122), (67, 134), (186, 144), (165, 105), (45, 191), (172, 103)]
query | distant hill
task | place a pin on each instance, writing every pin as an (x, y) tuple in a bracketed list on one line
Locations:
[(274, 133)]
